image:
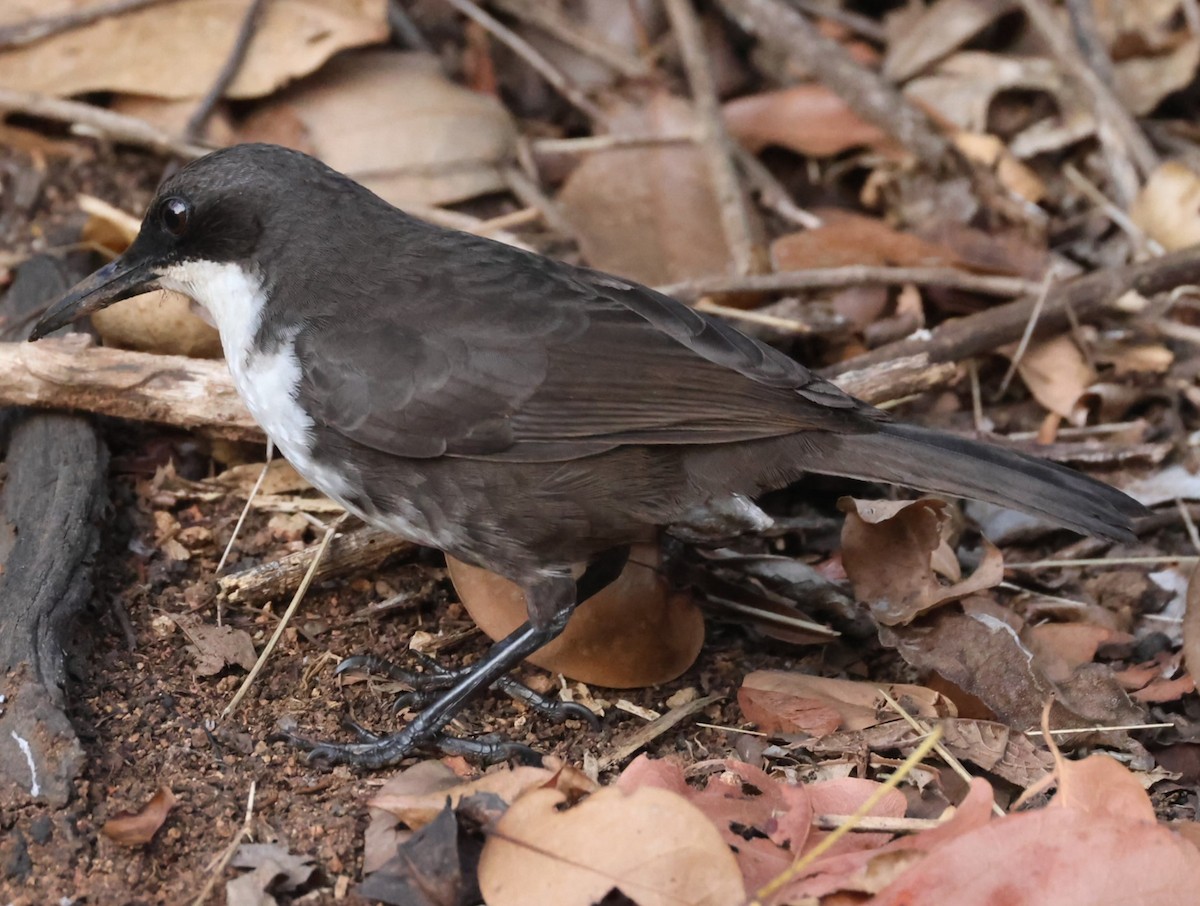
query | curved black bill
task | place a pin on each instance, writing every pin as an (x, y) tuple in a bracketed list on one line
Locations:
[(115, 281)]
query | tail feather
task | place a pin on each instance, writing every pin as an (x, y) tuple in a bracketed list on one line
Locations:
[(941, 463)]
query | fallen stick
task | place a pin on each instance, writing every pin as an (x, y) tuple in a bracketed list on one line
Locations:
[(1082, 298), (70, 373), (358, 550)]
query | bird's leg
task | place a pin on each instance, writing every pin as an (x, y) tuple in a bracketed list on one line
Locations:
[(555, 595), (436, 678)]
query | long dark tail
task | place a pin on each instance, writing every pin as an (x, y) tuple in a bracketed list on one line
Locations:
[(941, 463)]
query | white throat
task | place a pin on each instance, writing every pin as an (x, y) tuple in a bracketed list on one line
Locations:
[(234, 300)]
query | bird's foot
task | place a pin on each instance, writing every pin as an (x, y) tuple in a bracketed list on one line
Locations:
[(374, 751), (425, 687)]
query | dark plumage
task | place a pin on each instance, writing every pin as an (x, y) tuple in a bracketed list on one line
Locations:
[(524, 414)]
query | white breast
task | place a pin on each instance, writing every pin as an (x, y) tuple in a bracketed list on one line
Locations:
[(266, 381)]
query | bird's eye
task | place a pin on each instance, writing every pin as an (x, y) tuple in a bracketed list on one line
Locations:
[(174, 214)]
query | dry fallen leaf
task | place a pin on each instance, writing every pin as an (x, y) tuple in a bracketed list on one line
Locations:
[(1168, 206), (783, 701), (922, 37), (216, 647), (888, 550), (650, 844), (1057, 374), (982, 654), (648, 213), (423, 793), (845, 238), (134, 829), (439, 142), (1141, 82), (636, 632), (808, 119), (175, 50)]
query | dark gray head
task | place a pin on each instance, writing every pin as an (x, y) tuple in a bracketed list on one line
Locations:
[(229, 207)]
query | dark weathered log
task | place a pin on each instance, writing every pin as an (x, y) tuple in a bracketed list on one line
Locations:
[(50, 510)]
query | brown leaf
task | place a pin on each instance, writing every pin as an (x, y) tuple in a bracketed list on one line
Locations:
[(648, 213), (650, 844), (917, 40), (1057, 374), (439, 143), (846, 238), (421, 798), (982, 654), (636, 632), (888, 550), (1058, 648), (1103, 787), (216, 647), (764, 821), (134, 829), (808, 119), (1141, 82), (1054, 856), (175, 50), (783, 701)]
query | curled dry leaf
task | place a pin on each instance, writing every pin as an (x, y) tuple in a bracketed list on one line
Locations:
[(888, 550), (782, 701), (1141, 82), (1057, 374), (648, 213), (135, 829), (917, 39), (175, 50), (438, 143), (808, 119), (651, 844), (636, 632), (1168, 206), (421, 793)]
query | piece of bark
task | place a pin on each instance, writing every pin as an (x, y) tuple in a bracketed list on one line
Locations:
[(70, 373), (354, 551), (50, 513)]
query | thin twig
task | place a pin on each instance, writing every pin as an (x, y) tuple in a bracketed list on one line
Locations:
[(1113, 729), (237, 527), (589, 144), (648, 732), (851, 275), (1115, 128), (530, 193), (548, 17), (405, 28), (1113, 212), (1030, 327), (283, 621), (1188, 523), (31, 30), (750, 316), (216, 868), (736, 218), (879, 824), (1104, 561), (793, 871), (865, 92), (946, 755), (98, 122), (194, 129), (531, 55), (771, 192)]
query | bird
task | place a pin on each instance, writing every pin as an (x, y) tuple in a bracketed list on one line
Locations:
[(516, 412)]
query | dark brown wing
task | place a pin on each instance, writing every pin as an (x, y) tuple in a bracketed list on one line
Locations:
[(519, 357)]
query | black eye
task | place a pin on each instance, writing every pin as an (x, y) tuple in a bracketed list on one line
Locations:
[(174, 214)]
